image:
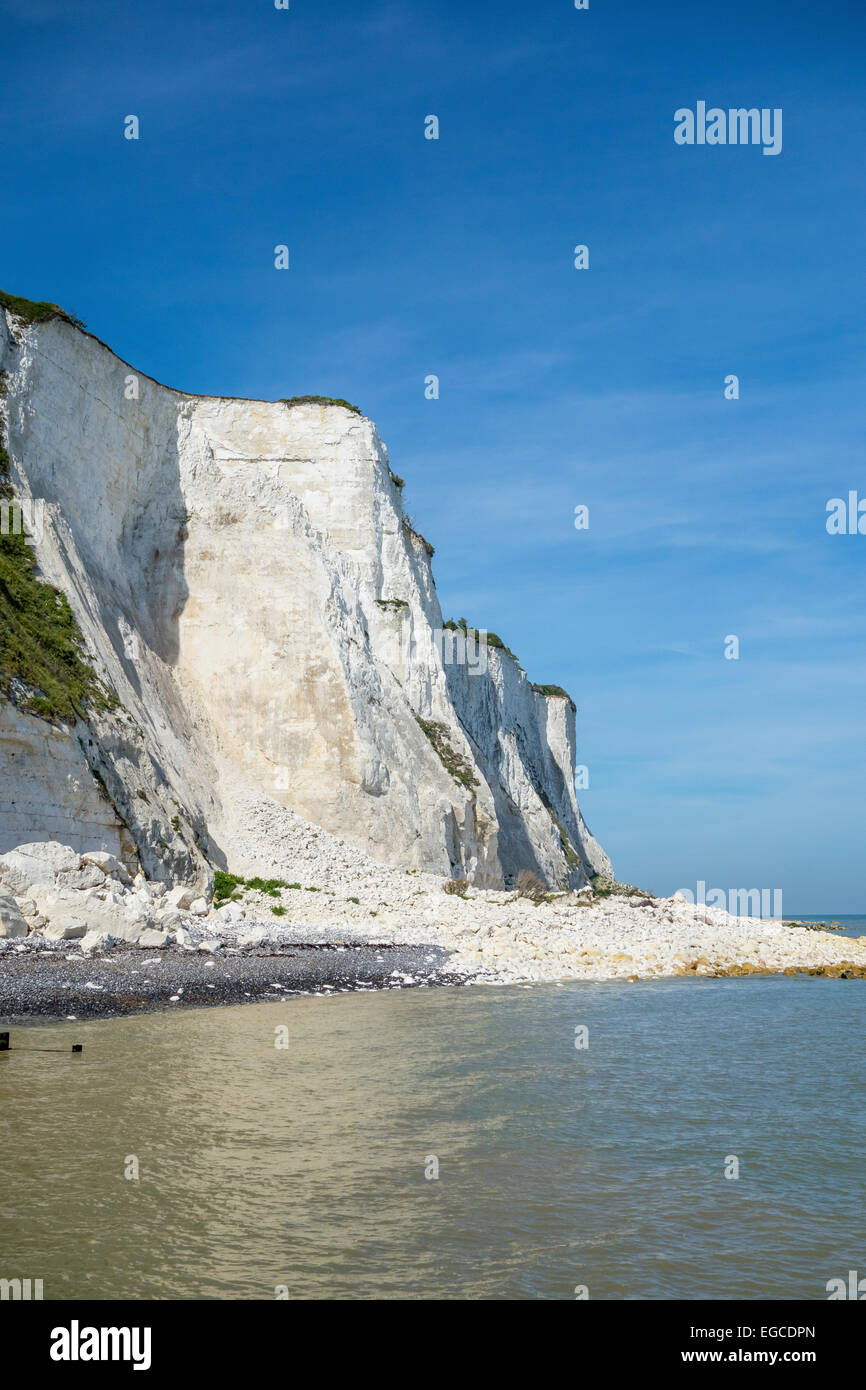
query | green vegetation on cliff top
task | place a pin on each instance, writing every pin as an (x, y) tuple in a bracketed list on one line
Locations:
[(36, 311), (493, 640), (320, 400), (553, 692)]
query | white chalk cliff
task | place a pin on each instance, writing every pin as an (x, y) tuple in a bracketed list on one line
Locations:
[(245, 583)]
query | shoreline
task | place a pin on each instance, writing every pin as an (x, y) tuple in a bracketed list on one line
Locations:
[(80, 935), (121, 983), (51, 986)]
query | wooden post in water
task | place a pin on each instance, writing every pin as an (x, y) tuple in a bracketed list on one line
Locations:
[(4, 1046)]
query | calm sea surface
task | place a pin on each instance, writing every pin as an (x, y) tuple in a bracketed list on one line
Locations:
[(558, 1166)]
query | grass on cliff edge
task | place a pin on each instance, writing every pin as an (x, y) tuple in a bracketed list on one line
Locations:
[(552, 692), (36, 311), (320, 400)]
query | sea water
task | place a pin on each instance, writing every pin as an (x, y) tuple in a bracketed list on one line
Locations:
[(670, 1139)]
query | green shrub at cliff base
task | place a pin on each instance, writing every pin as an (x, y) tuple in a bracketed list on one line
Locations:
[(530, 886), (224, 886), (270, 886), (40, 642), (611, 888), (33, 311)]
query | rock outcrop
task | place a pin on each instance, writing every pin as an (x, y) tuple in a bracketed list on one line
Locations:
[(249, 589)]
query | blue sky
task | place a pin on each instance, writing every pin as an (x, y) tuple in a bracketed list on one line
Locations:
[(558, 386)]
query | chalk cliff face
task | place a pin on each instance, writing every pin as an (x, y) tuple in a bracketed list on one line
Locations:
[(245, 583)]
